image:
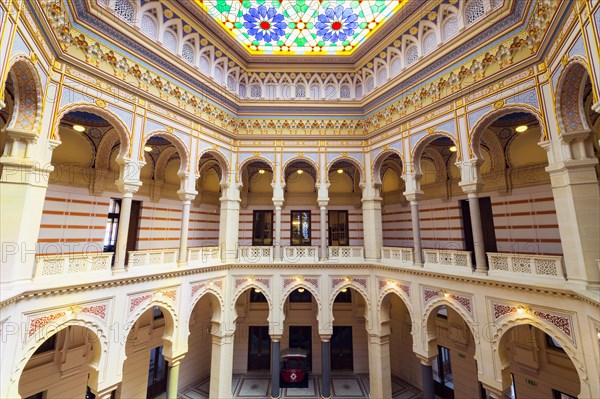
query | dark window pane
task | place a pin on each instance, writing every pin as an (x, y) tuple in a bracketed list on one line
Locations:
[(297, 296), (300, 228), (47, 346)]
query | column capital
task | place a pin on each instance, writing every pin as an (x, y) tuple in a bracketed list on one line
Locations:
[(105, 393), (186, 196), (21, 134), (426, 361), (278, 203), (128, 188), (471, 188), (175, 360), (413, 196), (276, 337), (323, 203), (325, 337)]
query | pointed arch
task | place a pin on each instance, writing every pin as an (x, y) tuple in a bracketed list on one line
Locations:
[(182, 149), (27, 106), (569, 97), (419, 148), (379, 161), (353, 161)]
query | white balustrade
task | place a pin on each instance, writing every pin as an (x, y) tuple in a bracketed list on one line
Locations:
[(347, 253), (200, 255), (300, 254), (69, 264), (255, 254), (522, 265), (397, 255), (448, 259), (152, 257)]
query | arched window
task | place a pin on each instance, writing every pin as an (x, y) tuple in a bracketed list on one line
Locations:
[(381, 76), (370, 84), (149, 26), (255, 91), (315, 91), (170, 41), (345, 91), (242, 91), (474, 10), (286, 92), (449, 28), (188, 53), (203, 65), (329, 92), (412, 55), (429, 43), (218, 74), (230, 83), (359, 91), (124, 9), (300, 91), (396, 66)]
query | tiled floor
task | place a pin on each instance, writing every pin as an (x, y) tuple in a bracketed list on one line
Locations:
[(346, 386)]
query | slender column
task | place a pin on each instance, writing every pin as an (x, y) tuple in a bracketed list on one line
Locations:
[(275, 354), (478, 242), (185, 225), (380, 372), (326, 367), (122, 233), (229, 222), (277, 243), (427, 375), (416, 228), (221, 365), (173, 381), (323, 238)]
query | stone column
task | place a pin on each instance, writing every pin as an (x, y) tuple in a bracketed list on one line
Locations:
[(427, 376), (416, 228), (380, 372), (326, 366), (277, 241), (173, 379), (229, 221), (187, 198), (128, 189), (221, 365), (478, 241), (372, 224), (275, 354), (323, 238)]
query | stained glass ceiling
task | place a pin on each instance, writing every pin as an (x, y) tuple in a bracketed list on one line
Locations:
[(312, 27)]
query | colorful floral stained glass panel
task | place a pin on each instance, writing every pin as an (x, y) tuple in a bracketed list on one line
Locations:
[(301, 26)]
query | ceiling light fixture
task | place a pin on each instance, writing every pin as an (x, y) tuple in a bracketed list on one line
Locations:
[(261, 171), (453, 149), (521, 129), (340, 171), (257, 290), (148, 148), (344, 289), (301, 290), (299, 171), (78, 128)]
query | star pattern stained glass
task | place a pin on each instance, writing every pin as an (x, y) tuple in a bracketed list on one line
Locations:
[(301, 26)]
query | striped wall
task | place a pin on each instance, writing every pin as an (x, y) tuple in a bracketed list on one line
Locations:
[(524, 222), (204, 226), (354, 221), (72, 221), (160, 225)]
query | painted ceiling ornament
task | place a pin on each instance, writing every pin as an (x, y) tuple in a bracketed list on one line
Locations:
[(265, 24), (337, 24)]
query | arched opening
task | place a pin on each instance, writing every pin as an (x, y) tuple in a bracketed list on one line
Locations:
[(252, 345), (65, 364), (434, 161), (405, 370), (148, 344), (256, 212), (452, 350), (195, 368), (395, 210), (535, 364), (345, 218), (349, 343)]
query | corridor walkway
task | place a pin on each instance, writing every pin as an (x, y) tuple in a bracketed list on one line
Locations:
[(347, 386)]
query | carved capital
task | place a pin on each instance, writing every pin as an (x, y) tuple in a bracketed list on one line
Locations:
[(128, 187), (186, 195)]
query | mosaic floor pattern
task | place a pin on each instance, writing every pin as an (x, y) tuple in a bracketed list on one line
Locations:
[(346, 386)]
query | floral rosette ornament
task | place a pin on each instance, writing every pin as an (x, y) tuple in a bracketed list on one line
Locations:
[(265, 24), (337, 24)]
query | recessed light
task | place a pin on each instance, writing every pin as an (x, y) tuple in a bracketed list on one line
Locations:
[(261, 171), (453, 149), (521, 129), (257, 290), (344, 289), (299, 171), (148, 148), (78, 128), (340, 171), (301, 290)]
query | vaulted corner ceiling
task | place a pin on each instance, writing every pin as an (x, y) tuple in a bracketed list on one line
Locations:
[(311, 27), (356, 67)]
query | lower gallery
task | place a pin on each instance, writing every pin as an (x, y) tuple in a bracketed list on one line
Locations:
[(300, 199)]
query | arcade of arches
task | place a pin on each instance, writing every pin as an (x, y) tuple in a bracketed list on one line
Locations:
[(384, 199)]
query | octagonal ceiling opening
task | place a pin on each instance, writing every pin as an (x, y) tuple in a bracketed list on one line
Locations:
[(301, 27)]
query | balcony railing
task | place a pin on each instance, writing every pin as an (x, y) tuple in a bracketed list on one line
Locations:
[(521, 265), (200, 255), (152, 257), (69, 264), (300, 254), (397, 255), (455, 259), (347, 253), (255, 254)]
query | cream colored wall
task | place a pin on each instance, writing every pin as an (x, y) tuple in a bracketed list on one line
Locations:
[(403, 361), (248, 314), (195, 366)]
